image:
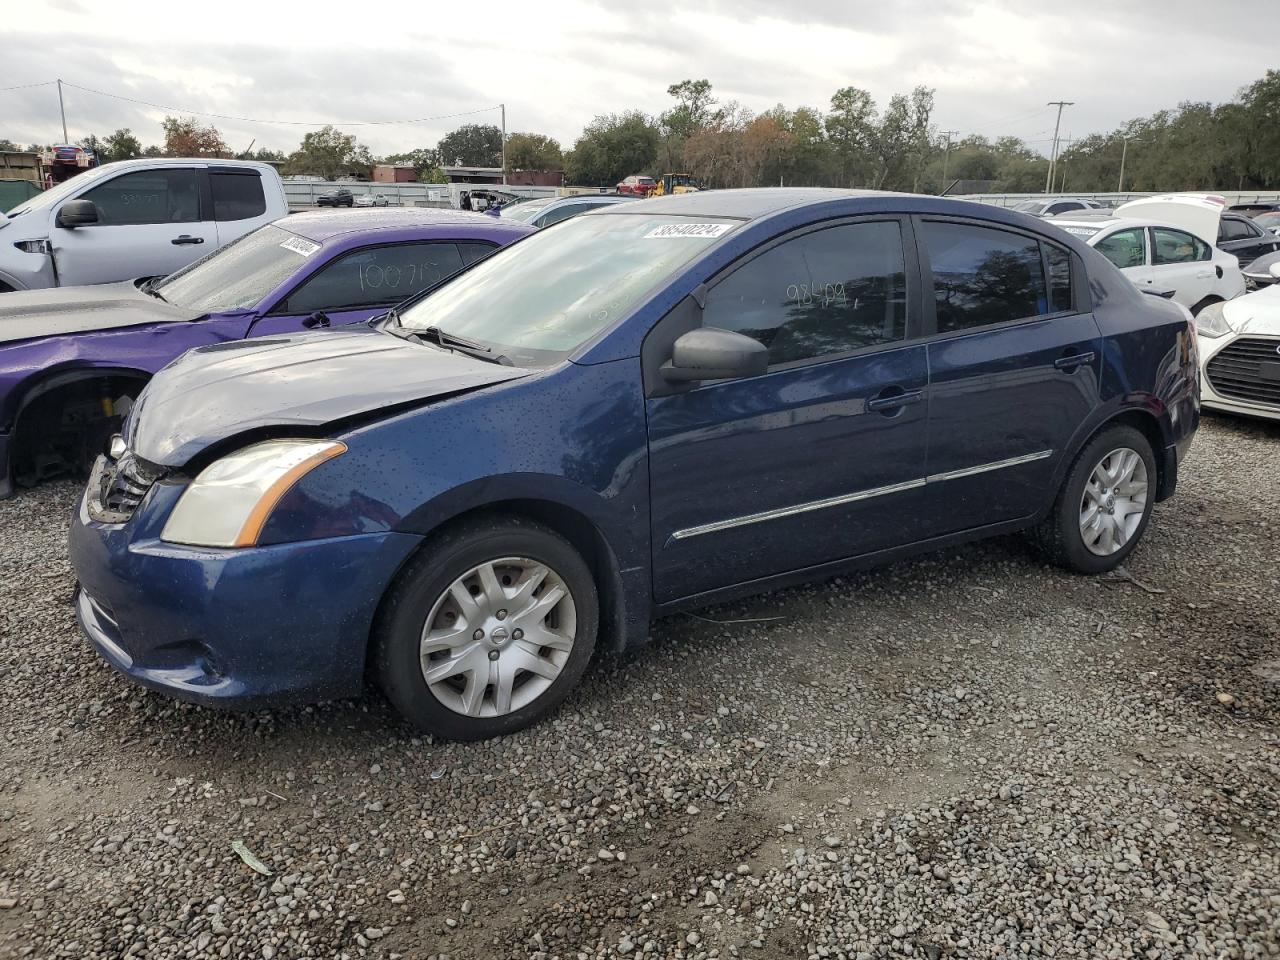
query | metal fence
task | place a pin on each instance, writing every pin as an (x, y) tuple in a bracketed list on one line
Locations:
[(1111, 199), (302, 195)]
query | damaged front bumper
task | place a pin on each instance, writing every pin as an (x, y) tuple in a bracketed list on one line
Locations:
[(230, 627)]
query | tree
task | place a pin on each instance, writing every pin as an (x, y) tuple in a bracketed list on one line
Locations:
[(611, 147), (328, 152), (850, 127), (471, 145), (901, 141), (8, 146), (122, 145), (693, 112), (95, 146), (153, 151), (533, 151), (423, 159), (265, 154), (184, 137)]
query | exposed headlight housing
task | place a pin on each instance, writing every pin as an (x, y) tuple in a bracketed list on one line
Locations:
[(1212, 322), (228, 504)]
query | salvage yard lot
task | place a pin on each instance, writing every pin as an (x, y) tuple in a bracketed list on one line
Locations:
[(969, 754)]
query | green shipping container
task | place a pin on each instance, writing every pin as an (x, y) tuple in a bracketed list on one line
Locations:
[(14, 192)]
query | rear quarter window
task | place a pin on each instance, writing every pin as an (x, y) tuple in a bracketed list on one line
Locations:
[(237, 196)]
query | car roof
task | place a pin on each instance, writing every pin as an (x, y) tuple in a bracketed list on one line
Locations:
[(1110, 224), (748, 203), (322, 225)]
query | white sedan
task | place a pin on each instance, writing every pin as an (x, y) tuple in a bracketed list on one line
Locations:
[(371, 200), (1239, 346), (1162, 257)]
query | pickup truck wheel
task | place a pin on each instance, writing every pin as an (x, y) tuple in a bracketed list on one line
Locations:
[(1104, 505), (487, 630)]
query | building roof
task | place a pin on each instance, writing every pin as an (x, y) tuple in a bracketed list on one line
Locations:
[(322, 225)]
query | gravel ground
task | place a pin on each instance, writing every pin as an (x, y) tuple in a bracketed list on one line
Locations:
[(966, 755)]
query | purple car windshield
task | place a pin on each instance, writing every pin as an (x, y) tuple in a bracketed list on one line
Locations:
[(240, 274)]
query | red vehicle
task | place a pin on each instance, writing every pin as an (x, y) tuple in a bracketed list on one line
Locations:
[(638, 186), (66, 160)]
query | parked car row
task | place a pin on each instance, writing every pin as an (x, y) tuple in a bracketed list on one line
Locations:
[(459, 453)]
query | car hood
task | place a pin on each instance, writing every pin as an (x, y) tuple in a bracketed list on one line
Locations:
[(1196, 212), (28, 314), (1257, 312), (306, 380)]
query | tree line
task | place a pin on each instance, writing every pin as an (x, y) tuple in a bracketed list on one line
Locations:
[(853, 142)]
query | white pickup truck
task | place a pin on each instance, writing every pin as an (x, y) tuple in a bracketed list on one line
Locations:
[(134, 218)]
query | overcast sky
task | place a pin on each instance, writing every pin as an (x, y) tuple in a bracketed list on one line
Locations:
[(557, 63)]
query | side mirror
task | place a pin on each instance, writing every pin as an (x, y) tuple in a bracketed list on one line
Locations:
[(77, 213), (712, 353), (1274, 269)]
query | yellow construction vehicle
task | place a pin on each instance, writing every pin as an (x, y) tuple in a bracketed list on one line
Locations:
[(670, 183)]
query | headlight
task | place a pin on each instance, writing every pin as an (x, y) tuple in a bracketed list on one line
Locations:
[(1211, 322), (230, 501)]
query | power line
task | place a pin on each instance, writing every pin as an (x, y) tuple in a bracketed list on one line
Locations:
[(28, 86), (289, 123)]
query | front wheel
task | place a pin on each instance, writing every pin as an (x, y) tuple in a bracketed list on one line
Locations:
[(1104, 505), (487, 630)]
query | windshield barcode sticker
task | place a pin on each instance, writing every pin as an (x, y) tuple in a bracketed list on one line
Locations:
[(699, 230), (304, 247)]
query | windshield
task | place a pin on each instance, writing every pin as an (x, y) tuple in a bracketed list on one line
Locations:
[(525, 212), (61, 191), (538, 300), (1267, 221), (241, 273), (1028, 206)]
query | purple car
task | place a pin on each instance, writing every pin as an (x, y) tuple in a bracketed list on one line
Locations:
[(73, 359)]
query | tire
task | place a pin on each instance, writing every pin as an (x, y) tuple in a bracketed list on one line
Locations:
[(1061, 538), (464, 641)]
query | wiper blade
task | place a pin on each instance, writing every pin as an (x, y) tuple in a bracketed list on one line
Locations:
[(149, 288), (452, 340), (470, 347)]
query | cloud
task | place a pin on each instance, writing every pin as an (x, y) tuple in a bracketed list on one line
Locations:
[(993, 63)]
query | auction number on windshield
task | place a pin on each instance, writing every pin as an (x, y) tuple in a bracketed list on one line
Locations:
[(823, 294), (412, 275)]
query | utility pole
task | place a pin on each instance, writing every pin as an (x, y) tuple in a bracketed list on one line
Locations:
[(503, 106), (1123, 151), (946, 155), (1053, 154), (62, 110)]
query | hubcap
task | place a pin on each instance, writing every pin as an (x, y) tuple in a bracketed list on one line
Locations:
[(1114, 501), (498, 637)]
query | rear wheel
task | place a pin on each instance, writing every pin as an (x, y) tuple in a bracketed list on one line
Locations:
[(1104, 505), (487, 630)]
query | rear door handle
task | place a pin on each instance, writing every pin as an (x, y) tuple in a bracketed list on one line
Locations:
[(185, 239), (893, 401), (1074, 360), (1204, 274)]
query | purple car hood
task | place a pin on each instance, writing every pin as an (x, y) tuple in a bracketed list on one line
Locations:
[(28, 314), (305, 380)]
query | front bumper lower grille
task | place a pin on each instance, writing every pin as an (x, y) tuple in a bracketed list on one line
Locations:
[(1247, 369)]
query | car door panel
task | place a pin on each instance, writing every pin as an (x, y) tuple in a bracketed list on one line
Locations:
[(1013, 371), (1181, 262), (757, 477), (152, 223), (820, 458)]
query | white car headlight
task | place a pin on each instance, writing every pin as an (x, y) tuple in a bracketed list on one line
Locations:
[(1212, 322), (231, 499)]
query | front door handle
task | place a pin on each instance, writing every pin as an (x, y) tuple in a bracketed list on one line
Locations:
[(1074, 360), (891, 398), (185, 239)]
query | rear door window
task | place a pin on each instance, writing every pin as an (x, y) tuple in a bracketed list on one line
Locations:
[(375, 277), (1176, 246), (148, 196), (820, 294), (237, 196), (983, 275), (1124, 248)]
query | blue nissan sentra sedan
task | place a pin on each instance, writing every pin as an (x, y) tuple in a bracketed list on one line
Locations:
[(650, 407)]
